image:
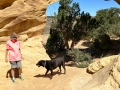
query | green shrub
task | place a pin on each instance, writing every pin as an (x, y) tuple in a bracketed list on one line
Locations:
[(82, 65), (51, 49), (114, 30), (102, 42), (55, 42), (82, 58)]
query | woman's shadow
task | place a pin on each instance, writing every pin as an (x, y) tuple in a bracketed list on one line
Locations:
[(8, 74)]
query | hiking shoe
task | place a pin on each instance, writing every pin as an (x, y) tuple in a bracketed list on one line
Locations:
[(21, 78), (14, 81)]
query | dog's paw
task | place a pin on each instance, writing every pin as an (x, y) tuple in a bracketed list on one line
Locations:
[(65, 72), (51, 78), (45, 75), (59, 74)]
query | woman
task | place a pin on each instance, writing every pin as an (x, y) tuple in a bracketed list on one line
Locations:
[(14, 56)]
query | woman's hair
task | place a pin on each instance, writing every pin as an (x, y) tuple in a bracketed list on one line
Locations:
[(13, 35)]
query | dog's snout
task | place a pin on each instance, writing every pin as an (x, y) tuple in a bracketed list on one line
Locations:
[(37, 65)]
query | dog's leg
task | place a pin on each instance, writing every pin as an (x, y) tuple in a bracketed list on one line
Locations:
[(63, 65), (60, 69), (46, 72), (51, 74)]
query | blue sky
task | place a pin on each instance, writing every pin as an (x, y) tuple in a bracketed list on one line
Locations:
[(90, 6)]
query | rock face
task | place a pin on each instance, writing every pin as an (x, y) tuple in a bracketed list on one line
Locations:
[(106, 74), (25, 17)]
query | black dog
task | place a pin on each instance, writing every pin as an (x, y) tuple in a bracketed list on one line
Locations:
[(52, 64)]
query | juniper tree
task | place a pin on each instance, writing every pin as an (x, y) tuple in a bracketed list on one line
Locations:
[(71, 24)]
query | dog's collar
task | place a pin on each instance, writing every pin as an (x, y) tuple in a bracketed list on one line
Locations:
[(45, 64)]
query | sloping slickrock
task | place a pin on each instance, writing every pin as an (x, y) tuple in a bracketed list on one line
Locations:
[(106, 74)]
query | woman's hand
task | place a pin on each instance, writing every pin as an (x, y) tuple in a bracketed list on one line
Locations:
[(22, 57), (6, 60)]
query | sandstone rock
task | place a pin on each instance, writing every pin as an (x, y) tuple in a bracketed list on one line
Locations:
[(115, 75), (97, 65), (25, 17), (106, 74)]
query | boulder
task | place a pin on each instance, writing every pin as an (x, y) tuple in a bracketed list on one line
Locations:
[(106, 74)]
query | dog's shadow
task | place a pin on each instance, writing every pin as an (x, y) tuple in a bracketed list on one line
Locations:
[(8, 74), (48, 75)]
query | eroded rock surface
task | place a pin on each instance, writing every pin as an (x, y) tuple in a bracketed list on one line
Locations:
[(106, 74), (25, 17)]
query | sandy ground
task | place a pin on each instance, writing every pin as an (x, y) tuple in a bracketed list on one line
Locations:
[(34, 80), (74, 79)]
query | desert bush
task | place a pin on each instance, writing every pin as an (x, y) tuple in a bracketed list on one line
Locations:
[(102, 42), (82, 65), (55, 42), (114, 30), (81, 58)]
